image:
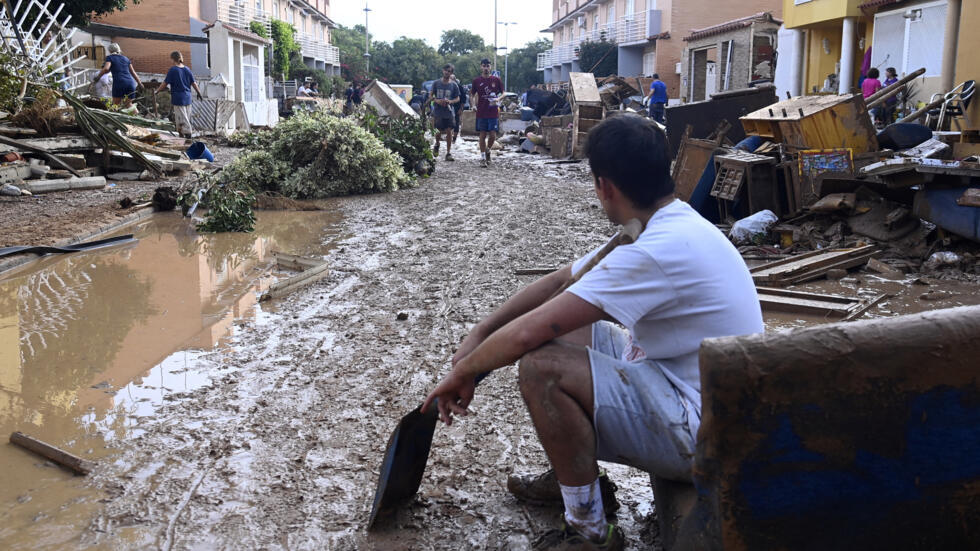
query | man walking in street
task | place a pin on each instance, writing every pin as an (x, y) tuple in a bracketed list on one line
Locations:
[(445, 94), (485, 92), (657, 99), (181, 80), (609, 368)]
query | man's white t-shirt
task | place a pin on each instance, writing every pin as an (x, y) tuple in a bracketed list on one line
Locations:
[(681, 282)]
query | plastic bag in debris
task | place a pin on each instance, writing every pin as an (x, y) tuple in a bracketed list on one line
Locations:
[(940, 259), (746, 229), (10, 190)]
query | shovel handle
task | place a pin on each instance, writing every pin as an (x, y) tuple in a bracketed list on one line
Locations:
[(630, 232)]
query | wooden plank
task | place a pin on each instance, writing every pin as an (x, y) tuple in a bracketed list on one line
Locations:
[(812, 265), (288, 285), (806, 303), (61, 457), (583, 89), (290, 260)]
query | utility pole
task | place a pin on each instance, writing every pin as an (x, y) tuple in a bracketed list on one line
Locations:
[(367, 43), (494, 35), (506, 25)]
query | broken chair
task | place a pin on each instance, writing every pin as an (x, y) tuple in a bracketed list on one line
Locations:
[(954, 107)]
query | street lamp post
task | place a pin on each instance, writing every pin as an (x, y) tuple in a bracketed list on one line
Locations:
[(506, 47), (494, 35), (367, 43)]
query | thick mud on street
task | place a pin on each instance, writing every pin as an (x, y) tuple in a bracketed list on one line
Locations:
[(277, 443)]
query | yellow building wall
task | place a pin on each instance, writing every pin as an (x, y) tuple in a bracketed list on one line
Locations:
[(819, 63), (818, 11), (967, 62)]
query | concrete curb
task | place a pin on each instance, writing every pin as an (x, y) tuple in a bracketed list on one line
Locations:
[(16, 261)]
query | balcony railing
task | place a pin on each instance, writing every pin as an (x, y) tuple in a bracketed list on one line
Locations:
[(626, 30), (241, 14)]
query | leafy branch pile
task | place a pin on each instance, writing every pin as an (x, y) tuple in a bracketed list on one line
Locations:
[(404, 136), (315, 156)]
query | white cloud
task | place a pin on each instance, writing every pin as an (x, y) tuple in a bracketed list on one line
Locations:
[(426, 19)]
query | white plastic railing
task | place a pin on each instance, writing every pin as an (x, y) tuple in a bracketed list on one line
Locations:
[(627, 29)]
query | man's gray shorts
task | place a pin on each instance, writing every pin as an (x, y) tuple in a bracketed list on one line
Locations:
[(642, 418)]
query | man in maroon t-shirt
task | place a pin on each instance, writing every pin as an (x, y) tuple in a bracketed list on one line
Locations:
[(486, 91)]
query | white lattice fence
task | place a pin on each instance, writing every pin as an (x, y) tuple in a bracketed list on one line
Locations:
[(39, 42)]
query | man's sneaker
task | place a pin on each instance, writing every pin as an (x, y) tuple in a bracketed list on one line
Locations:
[(483, 163), (543, 489), (566, 538), (435, 150), (449, 157), (487, 160)]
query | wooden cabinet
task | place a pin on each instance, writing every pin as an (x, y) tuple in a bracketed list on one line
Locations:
[(816, 122)]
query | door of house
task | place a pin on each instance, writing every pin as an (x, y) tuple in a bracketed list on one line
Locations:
[(710, 79)]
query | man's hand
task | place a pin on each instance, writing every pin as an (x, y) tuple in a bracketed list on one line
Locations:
[(454, 395), (200, 97)]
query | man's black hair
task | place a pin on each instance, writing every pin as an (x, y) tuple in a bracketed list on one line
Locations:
[(448, 67), (656, 76), (873, 73), (485, 61), (634, 154)]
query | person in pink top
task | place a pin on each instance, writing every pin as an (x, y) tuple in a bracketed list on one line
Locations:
[(869, 87)]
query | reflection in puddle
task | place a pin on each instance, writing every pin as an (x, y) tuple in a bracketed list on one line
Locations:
[(92, 343)]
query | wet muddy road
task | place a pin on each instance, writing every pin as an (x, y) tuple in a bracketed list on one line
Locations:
[(278, 443)]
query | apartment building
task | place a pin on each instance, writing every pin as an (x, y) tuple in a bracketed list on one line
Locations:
[(833, 37), (310, 18), (648, 33)]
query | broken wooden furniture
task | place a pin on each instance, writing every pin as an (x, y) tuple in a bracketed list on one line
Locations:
[(587, 110), (704, 116), (811, 265), (832, 437), (693, 156), (816, 122), (745, 183)]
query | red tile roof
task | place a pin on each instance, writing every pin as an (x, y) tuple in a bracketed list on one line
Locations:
[(763, 17)]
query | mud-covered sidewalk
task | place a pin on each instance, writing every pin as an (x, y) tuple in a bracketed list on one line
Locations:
[(282, 449)]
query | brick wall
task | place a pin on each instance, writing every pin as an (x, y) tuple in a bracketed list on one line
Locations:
[(168, 16), (687, 15)]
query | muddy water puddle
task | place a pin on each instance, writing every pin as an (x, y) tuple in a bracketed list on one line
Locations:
[(92, 343)]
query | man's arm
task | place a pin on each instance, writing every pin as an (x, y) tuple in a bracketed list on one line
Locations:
[(551, 320)]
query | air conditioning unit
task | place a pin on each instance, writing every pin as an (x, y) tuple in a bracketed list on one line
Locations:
[(581, 21)]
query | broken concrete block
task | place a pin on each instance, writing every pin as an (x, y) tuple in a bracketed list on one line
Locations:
[(885, 270)]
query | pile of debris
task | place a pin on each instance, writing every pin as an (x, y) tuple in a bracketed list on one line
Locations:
[(84, 148), (815, 186)]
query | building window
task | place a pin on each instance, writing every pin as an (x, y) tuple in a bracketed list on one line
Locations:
[(910, 39), (611, 14), (649, 63), (630, 8), (258, 6), (275, 10)]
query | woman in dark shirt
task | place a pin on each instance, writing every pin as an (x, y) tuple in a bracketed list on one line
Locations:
[(125, 81)]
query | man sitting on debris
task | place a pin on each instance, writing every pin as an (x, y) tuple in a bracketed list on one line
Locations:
[(597, 391), (181, 80), (445, 94)]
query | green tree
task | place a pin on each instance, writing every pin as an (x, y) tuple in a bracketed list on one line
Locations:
[(350, 42), (284, 47), (460, 42), (407, 61), (522, 67), (600, 57), (82, 11)]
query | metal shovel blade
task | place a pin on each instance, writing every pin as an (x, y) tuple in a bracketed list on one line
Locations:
[(404, 462)]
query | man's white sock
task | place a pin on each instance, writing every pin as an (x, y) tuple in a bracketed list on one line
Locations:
[(583, 509)]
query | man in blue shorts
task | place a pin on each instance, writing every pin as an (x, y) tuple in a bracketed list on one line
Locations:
[(486, 91), (609, 368), (445, 94)]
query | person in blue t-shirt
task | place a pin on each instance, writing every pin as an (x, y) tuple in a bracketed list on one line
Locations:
[(658, 99), (125, 81), (181, 80)]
